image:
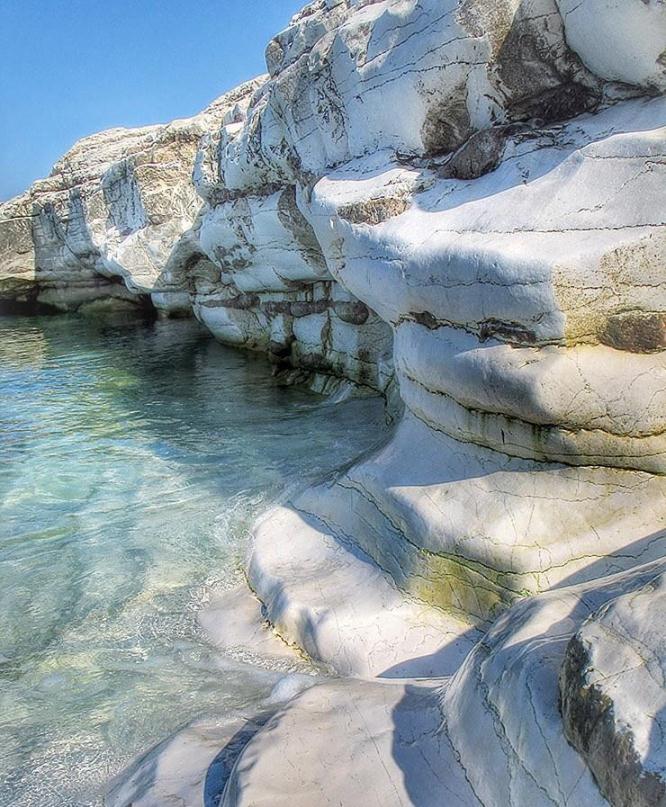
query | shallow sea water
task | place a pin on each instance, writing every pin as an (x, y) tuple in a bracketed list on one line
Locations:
[(133, 459)]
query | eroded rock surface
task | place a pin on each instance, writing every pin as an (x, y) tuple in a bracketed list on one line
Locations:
[(490, 735), (613, 694), (518, 258), (468, 196), (106, 220)]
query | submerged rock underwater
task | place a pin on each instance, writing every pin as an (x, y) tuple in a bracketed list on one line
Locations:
[(458, 205)]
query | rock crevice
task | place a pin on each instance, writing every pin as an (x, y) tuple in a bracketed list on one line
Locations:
[(464, 198)]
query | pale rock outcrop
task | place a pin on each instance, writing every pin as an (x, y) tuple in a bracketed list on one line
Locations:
[(193, 766), (112, 210), (528, 309), (349, 743), (617, 40), (260, 281), (348, 78), (549, 307), (357, 618), (147, 217), (461, 528), (519, 262), (613, 692), (490, 735), (471, 195)]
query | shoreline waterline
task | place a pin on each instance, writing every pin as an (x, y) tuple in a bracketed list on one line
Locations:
[(134, 459)]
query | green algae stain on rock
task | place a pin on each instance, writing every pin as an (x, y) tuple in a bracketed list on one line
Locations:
[(469, 589)]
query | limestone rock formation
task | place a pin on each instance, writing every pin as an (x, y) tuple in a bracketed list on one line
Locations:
[(522, 276), (468, 196), (613, 693), (490, 735), (509, 227), (112, 210)]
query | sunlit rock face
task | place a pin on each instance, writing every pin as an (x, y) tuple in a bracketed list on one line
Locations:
[(248, 213), (613, 695), (258, 278), (147, 218), (519, 262), (492, 734), (490, 180), (468, 194), (106, 220), (351, 78)]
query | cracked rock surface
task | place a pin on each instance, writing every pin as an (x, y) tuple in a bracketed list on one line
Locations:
[(106, 220), (613, 694), (490, 735), (464, 199)]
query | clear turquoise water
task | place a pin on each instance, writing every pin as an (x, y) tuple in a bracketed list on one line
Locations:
[(133, 458)]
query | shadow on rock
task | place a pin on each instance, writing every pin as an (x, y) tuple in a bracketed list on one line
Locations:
[(443, 662), (221, 767), (421, 749)]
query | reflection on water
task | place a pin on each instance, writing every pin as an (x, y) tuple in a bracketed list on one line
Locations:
[(132, 459)]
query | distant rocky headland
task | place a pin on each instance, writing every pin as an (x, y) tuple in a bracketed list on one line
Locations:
[(460, 205)]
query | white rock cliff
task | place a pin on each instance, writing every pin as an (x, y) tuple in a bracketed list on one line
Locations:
[(465, 198)]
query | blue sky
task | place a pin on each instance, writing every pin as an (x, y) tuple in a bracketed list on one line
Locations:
[(69, 68)]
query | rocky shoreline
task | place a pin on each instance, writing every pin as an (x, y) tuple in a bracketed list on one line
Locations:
[(462, 201)]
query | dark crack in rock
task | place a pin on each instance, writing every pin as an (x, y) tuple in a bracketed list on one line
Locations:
[(612, 696)]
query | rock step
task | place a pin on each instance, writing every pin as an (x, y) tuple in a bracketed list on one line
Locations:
[(349, 743), (323, 593), (492, 734), (470, 530)]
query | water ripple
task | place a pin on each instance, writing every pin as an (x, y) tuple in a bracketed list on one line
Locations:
[(132, 461)]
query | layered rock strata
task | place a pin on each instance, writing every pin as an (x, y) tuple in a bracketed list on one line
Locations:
[(519, 262), (490, 735), (105, 222), (520, 266), (470, 195)]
